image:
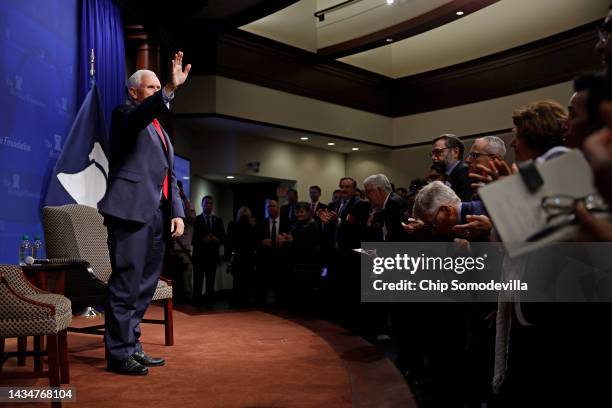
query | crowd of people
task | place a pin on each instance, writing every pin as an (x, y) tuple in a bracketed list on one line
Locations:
[(301, 257)]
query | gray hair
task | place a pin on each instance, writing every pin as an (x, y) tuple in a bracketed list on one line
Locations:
[(135, 80), (433, 196), (243, 212), (495, 145), (378, 180)]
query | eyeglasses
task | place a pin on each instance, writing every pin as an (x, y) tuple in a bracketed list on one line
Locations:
[(476, 155), (558, 205), (563, 205), (438, 152)]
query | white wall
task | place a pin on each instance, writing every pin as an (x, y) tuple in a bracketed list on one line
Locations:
[(229, 155), (474, 118), (216, 94)]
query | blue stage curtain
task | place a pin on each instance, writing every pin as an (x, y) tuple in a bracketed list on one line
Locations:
[(102, 30)]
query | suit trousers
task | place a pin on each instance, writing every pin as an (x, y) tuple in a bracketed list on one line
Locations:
[(137, 253)]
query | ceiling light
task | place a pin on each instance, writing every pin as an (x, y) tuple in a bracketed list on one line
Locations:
[(389, 40), (331, 144), (229, 177), (460, 13), (303, 138), (390, 2), (355, 149)]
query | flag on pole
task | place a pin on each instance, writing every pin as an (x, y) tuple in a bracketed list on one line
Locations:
[(81, 171)]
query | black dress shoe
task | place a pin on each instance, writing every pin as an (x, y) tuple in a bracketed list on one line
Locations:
[(128, 366), (147, 360)]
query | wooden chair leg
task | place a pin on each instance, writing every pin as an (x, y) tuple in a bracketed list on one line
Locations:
[(62, 347), (53, 358), (1, 353), (168, 325), (22, 345), (37, 355)]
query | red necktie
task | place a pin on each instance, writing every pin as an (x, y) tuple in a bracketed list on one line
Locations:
[(163, 139)]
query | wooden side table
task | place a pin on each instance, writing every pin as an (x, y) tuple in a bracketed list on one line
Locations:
[(41, 275)]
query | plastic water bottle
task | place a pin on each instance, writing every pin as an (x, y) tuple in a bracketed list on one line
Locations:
[(24, 250), (37, 249)]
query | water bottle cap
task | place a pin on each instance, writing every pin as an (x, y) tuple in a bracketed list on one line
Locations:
[(26, 237)]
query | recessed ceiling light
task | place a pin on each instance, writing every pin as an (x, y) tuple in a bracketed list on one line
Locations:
[(389, 40), (355, 148), (229, 177), (303, 138), (331, 144), (390, 2), (460, 13), (185, 178)]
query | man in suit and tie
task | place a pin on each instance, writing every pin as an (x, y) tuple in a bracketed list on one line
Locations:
[(346, 219), (287, 211), (141, 209), (437, 205), (390, 207), (448, 150), (345, 227), (315, 204), (272, 235), (208, 236)]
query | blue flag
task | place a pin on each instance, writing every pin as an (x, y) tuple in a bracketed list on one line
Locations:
[(81, 172)]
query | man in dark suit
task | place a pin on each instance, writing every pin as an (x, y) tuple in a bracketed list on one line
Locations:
[(390, 208), (141, 209), (448, 149), (287, 211), (437, 205), (208, 236), (345, 227), (271, 237), (346, 219), (315, 204)]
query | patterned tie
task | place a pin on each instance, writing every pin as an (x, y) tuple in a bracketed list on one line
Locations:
[(163, 139)]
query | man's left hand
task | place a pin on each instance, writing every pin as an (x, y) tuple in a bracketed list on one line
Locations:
[(177, 227)]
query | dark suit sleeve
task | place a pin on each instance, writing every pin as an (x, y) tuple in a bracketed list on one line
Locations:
[(394, 214), (460, 182), (219, 231)]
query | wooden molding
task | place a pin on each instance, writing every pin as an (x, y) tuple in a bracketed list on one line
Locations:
[(538, 64), (435, 18), (250, 58)]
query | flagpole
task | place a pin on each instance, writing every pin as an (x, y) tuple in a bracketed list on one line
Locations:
[(92, 68)]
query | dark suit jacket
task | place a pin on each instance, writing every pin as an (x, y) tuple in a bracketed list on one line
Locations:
[(284, 214), (320, 206), (351, 233), (460, 182), (207, 251), (391, 217), (471, 208), (268, 256), (139, 164)]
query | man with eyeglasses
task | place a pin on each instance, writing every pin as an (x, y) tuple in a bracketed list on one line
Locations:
[(483, 150), (448, 150)]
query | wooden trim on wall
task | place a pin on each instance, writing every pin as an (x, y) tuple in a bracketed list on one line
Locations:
[(343, 138), (535, 65), (435, 18), (247, 57)]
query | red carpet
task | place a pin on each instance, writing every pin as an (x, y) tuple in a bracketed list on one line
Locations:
[(237, 359)]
